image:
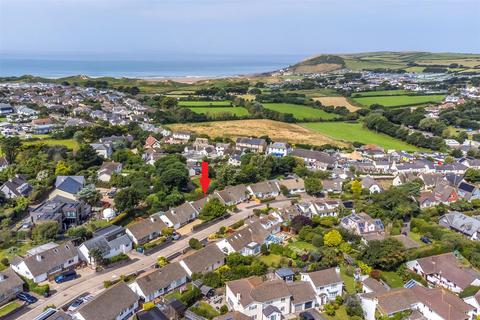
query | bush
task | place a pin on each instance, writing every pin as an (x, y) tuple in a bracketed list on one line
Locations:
[(238, 224), (195, 244), (469, 291), (117, 258), (38, 289)]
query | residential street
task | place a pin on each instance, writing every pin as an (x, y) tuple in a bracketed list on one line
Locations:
[(93, 283)]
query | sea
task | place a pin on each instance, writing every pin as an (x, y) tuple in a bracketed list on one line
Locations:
[(170, 66)]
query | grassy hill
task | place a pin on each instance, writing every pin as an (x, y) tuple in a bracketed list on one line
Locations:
[(409, 61)]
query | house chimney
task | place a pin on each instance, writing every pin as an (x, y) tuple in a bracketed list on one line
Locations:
[(239, 296), (38, 257), (337, 270), (2, 277)]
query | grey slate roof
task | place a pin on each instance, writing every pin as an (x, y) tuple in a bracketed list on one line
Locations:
[(50, 259), (110, 303), (70, 184), (9, 280), (160, 278), (199, 261), (460, 222)]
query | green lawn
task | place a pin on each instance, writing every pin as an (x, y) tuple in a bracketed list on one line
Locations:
[(347, 280), (340, 314), (9, 307), (399, 101), (380, 93), (20, 249), (186, 103), (300, 112), (205, 310), (271, 260), (300, 246), (69, 143), (351, 132), (215, 111), (392, 279)]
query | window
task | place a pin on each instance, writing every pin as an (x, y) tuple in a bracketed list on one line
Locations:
[(283, 300), (253, 307)]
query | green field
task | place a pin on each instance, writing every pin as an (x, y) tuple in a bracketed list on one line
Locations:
[(215, 111), (380, 93), (300, 112), (399, 101), (186, 103), (351, 132), (69, 143)]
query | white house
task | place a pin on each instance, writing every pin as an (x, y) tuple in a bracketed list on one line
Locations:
[(46, 261), (279, 149), (159, 281), (204, 260), (444, 270), (111, 241), (327, 284), (425, 303)]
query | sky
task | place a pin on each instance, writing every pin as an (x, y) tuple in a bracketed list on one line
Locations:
[(141, 29)]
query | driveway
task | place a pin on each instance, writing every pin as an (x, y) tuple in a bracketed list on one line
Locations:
[(93, 283)]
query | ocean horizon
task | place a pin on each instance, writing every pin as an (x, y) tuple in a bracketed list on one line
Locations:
[(165, 67)]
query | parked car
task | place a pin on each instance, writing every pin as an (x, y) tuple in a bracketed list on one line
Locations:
[(28, 298), (78, 302), (176, 235), (66, 276), (306, 316)]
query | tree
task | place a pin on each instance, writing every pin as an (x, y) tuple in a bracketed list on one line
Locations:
[(353, 306), (332, 238), (127, 199), (44, 232), (62, 168), (472, 175), (356, 188), (10, 147), (313, 185), (96, 257), (167, 232), (317, 240), (162, 261), (298, 222), (213, 209), (90, 195), (87, 157), (195, 244), (384, 254)]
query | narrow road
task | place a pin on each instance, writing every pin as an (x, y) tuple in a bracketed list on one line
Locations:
[(93, 283)]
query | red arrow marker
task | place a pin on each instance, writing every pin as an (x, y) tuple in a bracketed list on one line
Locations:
[(204, 179)]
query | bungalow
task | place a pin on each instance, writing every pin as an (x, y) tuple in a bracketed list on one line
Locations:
[(68, 186), (204, 260), (325, 207), (371, 185), (294, 185), (16, 187), (146, 230), (279, 149), (252, 144), (425, 303), (332, 185), (444, 270), (10, 285), (107, 170), (104, 150), (158, 282), (327, 284), (46, 261), (233, 195), (221, 148), (118, 302), (427, 199), (315, 159), (264, 189), (179, 216), (459, 222), (111, 241), (445, 194), (248, 240)]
